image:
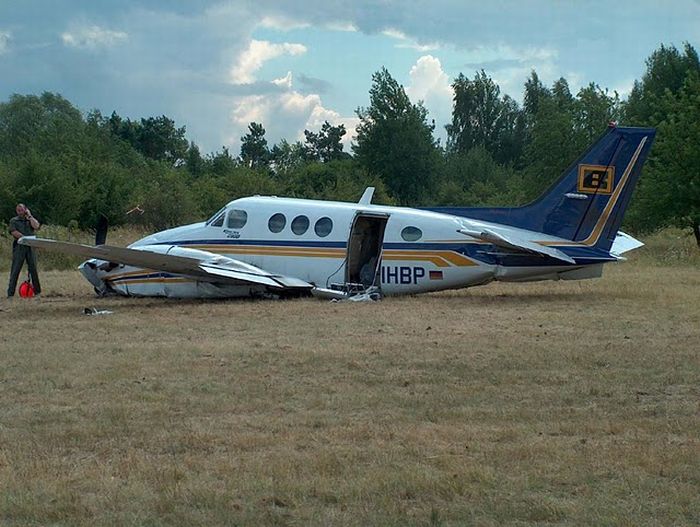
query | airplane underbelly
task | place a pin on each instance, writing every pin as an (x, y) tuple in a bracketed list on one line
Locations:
[(131, 281), (193, 289)]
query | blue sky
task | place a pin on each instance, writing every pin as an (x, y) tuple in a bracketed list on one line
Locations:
[(214, 66)]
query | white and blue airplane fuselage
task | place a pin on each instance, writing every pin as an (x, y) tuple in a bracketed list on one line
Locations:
[(272, 245)]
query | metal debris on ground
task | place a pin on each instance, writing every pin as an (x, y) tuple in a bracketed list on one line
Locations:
[(93, 311), (371, 294)]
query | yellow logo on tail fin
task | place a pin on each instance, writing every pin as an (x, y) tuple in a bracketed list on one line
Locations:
[(595, 179)]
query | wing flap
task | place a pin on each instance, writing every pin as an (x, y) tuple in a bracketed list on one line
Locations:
[(239, 277)]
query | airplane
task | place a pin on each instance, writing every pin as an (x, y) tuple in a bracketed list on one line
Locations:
[(267, 246)]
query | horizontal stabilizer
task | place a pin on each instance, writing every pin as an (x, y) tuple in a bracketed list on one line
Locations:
[(624, 243), (517, 244)]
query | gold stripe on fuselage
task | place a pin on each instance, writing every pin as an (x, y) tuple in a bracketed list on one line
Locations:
[(439, 258)]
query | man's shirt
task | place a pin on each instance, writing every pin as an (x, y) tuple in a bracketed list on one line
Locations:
[(22, 225)]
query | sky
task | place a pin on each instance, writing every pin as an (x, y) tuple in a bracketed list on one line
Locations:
[(216, 65)]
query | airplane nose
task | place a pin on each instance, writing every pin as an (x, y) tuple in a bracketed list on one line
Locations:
[(89, 270)]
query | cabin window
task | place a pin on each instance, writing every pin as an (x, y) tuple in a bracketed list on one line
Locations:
[(323, 227), (237, 219), (411, 234), (300, 225), (277, 222)]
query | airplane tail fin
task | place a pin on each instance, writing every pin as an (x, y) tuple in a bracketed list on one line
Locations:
[(587, 203)]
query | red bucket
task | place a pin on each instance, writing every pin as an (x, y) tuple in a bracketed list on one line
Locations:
[(26, 289)]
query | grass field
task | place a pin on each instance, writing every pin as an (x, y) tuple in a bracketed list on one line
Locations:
[(568, 403)]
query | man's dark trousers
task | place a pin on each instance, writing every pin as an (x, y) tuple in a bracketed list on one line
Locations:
[(20, 254)]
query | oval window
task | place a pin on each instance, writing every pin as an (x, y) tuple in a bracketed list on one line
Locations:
[(237, 219), (323, 227), (300, 225), (411, 234), (277, 222)]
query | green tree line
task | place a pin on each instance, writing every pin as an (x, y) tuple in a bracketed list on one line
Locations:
[(72, 167)]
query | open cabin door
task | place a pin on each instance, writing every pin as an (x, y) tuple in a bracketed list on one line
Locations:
[(364, 258)]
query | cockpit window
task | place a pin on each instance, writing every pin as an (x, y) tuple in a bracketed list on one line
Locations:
[(218, 221), (300, 225), (236, 219), (277, 222), (323, 227), (216, 217), (411, 234)]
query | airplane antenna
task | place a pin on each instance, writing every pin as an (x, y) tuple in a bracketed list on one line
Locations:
[(366, 198)]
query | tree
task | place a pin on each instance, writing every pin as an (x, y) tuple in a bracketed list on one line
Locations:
[(156, 138), (481, 117), (343, 180), (254, 151), (553, 142), (194, 162), (535, 92), (287, 156), (476, 179), (667, 98), (222, 163), (670, 194), (325, 145), (666, 69), (395, 142), (594, 110), (46, 124)]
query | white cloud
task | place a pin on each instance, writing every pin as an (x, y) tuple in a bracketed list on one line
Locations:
[(419, 47), (394, 33), (320, 114), (92, 37), (346, 27), (486, 55), (509, 67), (5, 38), (429, 83), (575, 80), (282, 23), (285, 81), (257, 53), (428, 80), (623, 88), (286, 115), (407, 43), (252, 108)]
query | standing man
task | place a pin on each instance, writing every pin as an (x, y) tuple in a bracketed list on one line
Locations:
[(24, 224)]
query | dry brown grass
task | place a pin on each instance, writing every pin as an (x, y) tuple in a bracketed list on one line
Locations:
[(560, 403)]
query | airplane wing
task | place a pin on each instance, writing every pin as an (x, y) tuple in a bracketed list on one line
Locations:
[(202, 265), (516, 243)]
